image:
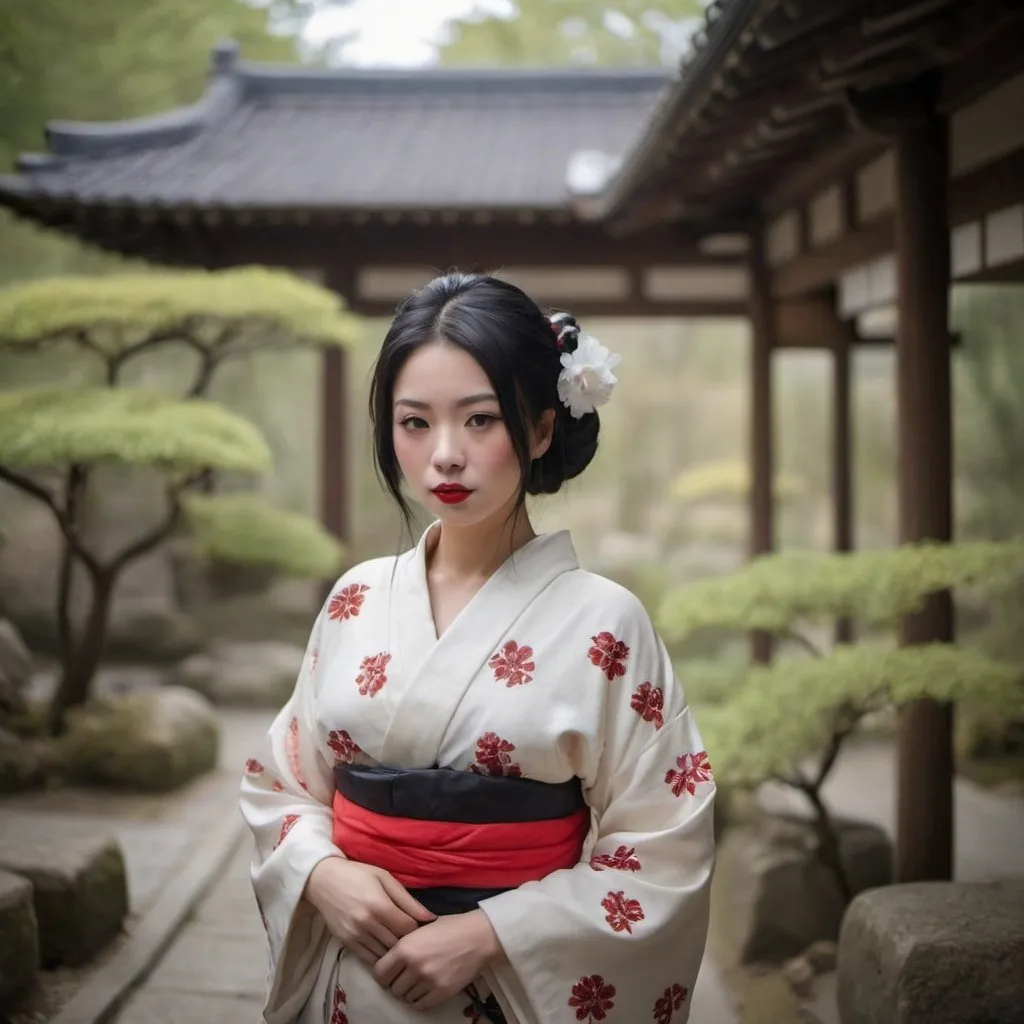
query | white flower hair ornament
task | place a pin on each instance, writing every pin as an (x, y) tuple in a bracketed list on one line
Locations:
[(586, 380)]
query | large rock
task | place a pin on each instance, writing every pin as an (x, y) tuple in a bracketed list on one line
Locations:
[(15, 668), (150, 740), (260, 674), (79, 890), (19, 940), (934, 953), (773, 896)]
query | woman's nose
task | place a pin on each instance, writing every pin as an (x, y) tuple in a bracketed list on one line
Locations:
[(448, 452)]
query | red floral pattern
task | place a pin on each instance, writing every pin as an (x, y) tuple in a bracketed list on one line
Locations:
[(592, 997), (624, 858), (338, 1015), (609, 655), (343, 746), (649, 703), (513, 663), (314, 657), (347, 602), (671, 1000), (253, 767), (291, 746), (493, 757), (372, 676), (623, 913), (278, 786), (690, 771), (287, 824)]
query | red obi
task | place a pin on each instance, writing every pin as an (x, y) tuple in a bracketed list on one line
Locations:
[(440, 828)]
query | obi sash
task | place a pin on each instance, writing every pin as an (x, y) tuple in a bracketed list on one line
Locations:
[(454, 838)]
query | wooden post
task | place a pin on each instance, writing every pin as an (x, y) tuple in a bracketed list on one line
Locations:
[(907, 115), (924, 842), (842, 456), (762, 342)]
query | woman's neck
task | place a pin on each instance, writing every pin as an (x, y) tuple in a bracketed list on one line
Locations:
[(477, 551)]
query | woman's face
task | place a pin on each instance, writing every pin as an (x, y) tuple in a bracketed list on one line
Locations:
[(450, 439)]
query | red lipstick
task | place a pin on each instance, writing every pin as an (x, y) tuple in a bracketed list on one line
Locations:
[(451, 494)]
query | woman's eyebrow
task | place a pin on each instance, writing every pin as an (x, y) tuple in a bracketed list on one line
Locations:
[(484, 396)]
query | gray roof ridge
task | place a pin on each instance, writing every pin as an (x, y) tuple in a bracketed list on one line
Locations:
[(103, 138)]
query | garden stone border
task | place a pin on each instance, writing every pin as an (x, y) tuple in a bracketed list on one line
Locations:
[(105, 993)]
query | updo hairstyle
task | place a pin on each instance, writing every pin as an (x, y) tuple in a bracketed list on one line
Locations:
[(519, 348)]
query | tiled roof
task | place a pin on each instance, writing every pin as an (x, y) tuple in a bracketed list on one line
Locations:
[(267, 136)]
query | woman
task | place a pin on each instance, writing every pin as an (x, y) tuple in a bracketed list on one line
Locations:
[(487, 799)]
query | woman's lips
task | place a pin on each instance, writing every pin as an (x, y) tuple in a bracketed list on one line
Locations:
[(451, 494)]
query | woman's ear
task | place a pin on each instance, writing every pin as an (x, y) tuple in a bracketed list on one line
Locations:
[(542, 434)]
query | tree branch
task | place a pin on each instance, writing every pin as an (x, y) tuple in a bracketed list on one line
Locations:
[(153, 538), (38, 491)]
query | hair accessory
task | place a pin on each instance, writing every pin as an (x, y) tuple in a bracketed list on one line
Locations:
[(586, 380)]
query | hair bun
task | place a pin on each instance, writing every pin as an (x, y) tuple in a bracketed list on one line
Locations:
[(566, 331)]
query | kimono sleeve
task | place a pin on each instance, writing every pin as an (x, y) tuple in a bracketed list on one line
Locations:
[(621, 937), (286, 800)]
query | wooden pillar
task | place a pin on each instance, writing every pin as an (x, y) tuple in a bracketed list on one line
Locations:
[(761, 454), (907, 115), (924, 842), (842, 456)]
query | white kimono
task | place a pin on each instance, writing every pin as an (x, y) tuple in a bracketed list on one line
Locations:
[(549, 672)]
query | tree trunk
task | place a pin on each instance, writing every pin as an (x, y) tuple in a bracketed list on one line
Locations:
[(829, 847), (77, 675)]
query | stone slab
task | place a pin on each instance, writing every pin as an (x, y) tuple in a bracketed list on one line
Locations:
[(80, 889), (19, 940), (213, 965), (150, 1006), (934, 953)]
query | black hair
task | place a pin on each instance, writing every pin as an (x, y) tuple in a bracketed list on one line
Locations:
[(517, 345)]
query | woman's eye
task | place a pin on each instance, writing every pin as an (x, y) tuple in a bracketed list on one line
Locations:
[(482, 419), (413, 423)]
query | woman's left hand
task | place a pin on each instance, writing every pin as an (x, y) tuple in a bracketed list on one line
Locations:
[(439, 959)]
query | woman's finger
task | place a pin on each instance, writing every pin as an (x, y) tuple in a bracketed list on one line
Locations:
[(418, 993), (405, 983)]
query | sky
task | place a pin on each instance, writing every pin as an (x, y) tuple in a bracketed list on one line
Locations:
[(392, 32)]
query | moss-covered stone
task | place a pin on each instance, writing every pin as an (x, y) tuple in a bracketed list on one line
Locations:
[(259, 674), (151, 741), (79, 890), (19, 940)]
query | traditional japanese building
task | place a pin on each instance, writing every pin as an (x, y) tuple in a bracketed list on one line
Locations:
[(810, 164)]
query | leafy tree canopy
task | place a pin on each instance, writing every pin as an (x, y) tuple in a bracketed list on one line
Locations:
[(878, 587), (550, 33), (784, 712), (53, 426), (120, 312), (241, 527)]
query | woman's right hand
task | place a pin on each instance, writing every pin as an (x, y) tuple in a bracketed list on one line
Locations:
[(366, 908)]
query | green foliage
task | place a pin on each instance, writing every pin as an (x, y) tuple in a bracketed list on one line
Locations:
[(52, 426), (240, 527), (229, 310), (546, 33), (728, 479), (786, 712), (874, 587)]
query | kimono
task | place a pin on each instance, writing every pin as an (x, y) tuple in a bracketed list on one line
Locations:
[(549, 673)]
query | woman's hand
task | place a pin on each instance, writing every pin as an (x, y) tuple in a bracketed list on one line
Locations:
[(364, 907), (430, 965)]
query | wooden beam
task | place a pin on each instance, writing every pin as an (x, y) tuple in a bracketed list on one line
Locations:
[(761, 450), (631, 307), (842, 451), (988, 188)]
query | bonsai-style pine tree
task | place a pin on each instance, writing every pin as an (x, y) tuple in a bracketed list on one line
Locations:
[(52, 438), (788, 721)]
